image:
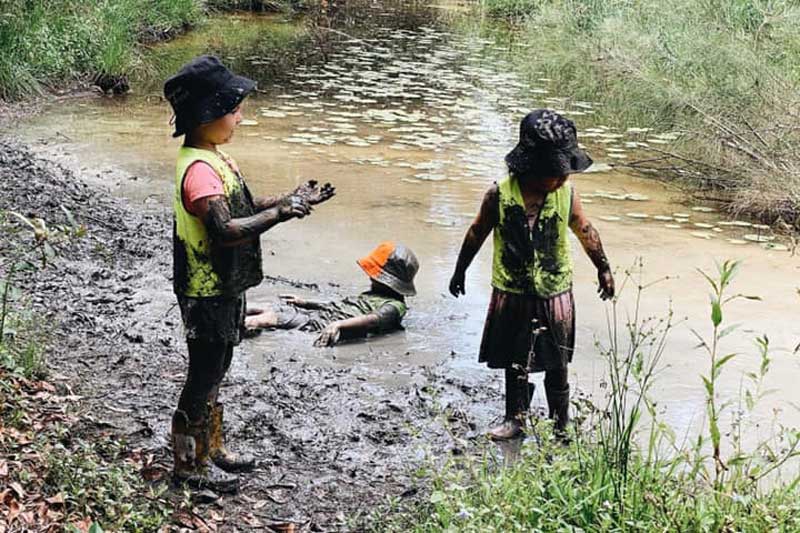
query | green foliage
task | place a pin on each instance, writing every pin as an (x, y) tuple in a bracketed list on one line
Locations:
[(721, 73), (624, 474), (511, 9), (96, 481), (45, 42), (31, 244)]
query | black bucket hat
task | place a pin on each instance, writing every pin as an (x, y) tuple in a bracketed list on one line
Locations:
[(202, 91), (547, 147)]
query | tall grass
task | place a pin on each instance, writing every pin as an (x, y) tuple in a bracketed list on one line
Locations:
[(724, 74), (627, 471), (45, 43)]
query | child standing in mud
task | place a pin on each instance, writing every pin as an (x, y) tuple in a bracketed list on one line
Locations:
[(217, 257), (391, 268), (530, 324)]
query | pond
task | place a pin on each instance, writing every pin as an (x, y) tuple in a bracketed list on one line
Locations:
[(409, 115)]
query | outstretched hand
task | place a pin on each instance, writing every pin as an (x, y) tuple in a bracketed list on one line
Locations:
[(293, 207), (329, 336), (291, 299), (457, 284), (606, 280), (314, 193)]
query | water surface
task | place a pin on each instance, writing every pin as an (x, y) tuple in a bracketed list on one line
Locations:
[(411, 125)]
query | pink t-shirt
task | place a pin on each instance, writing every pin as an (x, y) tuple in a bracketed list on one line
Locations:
[(201, 181)]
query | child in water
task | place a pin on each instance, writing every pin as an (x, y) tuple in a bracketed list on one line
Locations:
[(530, 324), (391, 269)]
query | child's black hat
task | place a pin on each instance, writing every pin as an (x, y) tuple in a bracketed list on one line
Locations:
[(202, 91), (548, 147)]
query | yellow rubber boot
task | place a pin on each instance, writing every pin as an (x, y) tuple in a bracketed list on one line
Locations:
[(190, 447), (226, 460)]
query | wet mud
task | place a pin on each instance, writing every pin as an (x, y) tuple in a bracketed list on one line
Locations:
[(332, 444)]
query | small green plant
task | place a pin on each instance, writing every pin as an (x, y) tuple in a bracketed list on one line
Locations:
[(21, 347), (625, 470)]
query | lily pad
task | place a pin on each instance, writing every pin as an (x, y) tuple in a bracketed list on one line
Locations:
[(752, 237)]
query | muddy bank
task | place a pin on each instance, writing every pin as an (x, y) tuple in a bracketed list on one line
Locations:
[(332, 445)]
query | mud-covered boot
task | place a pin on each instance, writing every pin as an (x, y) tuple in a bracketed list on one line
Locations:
[(518, 400), (226, 460), (190, 447), (558, 405)]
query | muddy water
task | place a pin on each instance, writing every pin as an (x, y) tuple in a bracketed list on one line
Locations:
[(411, 126)]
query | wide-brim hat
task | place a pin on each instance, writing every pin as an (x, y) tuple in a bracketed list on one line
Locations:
[(393, 265), (547, 147), (202, 91)]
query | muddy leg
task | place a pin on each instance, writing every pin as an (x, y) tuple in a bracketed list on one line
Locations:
[(266, 318), (222, 457), (556, 387), (518, 399), (191, 431)]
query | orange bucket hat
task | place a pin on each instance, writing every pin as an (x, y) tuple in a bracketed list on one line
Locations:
[(393, 265)]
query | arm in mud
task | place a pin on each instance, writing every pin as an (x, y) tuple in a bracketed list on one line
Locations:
[(480, 228), (593, 246), (384, 320), (227, 231), (304, 304)]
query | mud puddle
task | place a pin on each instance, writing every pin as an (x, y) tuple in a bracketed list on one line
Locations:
[(411, 125)]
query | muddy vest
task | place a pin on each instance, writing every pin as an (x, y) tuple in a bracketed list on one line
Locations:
[(199, 269), (533, 261)]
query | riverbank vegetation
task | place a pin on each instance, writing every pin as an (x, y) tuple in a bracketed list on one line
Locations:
[(724, 76), (59, 473), (626, 470), (46, 46)]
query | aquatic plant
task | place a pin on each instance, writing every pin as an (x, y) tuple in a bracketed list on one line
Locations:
[(626, 470)]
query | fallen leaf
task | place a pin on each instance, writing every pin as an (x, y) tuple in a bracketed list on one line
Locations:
[(18, 489), (58, 499), (251, 520)]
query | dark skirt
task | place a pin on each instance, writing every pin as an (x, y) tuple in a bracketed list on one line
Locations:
[(535, 333)]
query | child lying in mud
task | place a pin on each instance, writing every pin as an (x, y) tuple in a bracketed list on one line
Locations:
[(391, 269), (530, 325)]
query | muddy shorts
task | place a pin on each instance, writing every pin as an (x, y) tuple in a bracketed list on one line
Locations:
[(214, 319), (535, 333)]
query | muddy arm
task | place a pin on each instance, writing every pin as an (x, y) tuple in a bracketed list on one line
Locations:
[(480, 228), (387, 318), (291, 299), (351, 328), (227, 231), (311, 191), (592, 245), (268, 202)]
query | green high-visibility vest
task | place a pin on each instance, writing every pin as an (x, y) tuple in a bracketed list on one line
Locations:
[(200, 268), (532, 261)]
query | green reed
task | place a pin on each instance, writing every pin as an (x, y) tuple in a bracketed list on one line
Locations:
[(625, 469)]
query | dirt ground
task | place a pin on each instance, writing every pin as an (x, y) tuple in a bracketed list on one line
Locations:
[(332, 446)]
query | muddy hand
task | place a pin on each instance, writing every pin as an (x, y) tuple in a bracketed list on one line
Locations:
[(606, 280), (329, 336), (457, 284), (290, 299), (294, 207), (315, 194)]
